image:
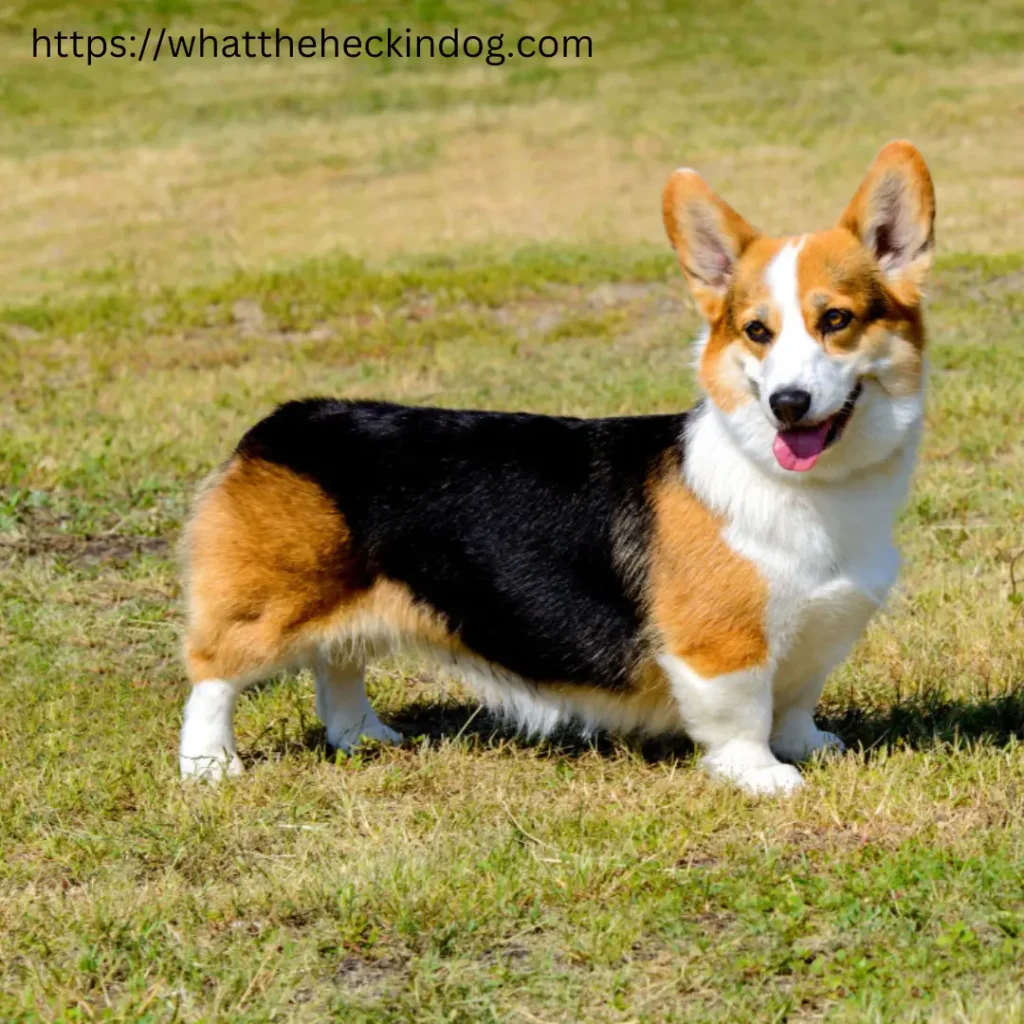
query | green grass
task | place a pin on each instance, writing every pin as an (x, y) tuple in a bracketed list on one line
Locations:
[(186, 244)]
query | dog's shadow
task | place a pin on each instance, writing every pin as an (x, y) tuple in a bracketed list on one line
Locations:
[(471, 722), (920, 722), (436, 722), (928, 720)]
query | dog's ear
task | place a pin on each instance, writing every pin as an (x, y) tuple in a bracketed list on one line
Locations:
[(893, 214), (708, 235)]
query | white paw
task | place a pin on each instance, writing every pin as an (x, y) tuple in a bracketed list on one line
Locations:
[(209, 767), (753, 769), (776, 780), (347, 739)]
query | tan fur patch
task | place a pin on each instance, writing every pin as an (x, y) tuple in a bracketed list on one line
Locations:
[(721, 375), (268, 557), (901, 343), (748, 299), (707, 603), (834, 270)]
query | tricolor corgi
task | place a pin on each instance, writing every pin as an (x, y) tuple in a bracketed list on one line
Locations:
[(699, 572)]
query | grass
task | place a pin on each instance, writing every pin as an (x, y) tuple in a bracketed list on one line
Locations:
[(184, 244)]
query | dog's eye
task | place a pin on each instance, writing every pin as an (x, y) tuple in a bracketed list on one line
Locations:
[(835, 320), (756, 331)]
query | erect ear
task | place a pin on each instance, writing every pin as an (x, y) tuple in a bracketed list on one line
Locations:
[(709, 236), (893, 214)]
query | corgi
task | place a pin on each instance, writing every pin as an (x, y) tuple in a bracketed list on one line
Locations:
[(697, 572)]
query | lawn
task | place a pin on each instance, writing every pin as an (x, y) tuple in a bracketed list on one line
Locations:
[(184, 244)]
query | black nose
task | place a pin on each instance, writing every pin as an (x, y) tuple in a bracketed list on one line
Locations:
[(790, 405)]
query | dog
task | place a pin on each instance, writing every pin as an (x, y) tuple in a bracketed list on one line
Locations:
[(699, 572)]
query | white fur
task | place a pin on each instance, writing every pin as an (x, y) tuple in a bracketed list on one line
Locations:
[(538, 710), (730, 716), (207, 748), (541, 710), (343, 708), (795, 736), (796, 359)]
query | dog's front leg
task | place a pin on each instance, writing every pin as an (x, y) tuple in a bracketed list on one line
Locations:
[(730, 716), (795, 735)]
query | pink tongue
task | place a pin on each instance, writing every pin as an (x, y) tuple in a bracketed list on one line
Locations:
[(798, 450)]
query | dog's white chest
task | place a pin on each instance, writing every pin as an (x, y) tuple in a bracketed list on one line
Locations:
[(811, 631), (825, 580)]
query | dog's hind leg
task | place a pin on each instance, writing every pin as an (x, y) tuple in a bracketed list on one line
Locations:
[(343, 707), (269, 566), (207, 748), (219, 673)]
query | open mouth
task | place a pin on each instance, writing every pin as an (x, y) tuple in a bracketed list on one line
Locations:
[(799, 448)]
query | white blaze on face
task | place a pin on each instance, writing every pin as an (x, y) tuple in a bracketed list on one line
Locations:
[(797, 359)]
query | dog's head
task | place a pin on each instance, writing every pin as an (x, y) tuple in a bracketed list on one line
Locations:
[(814, 350)]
